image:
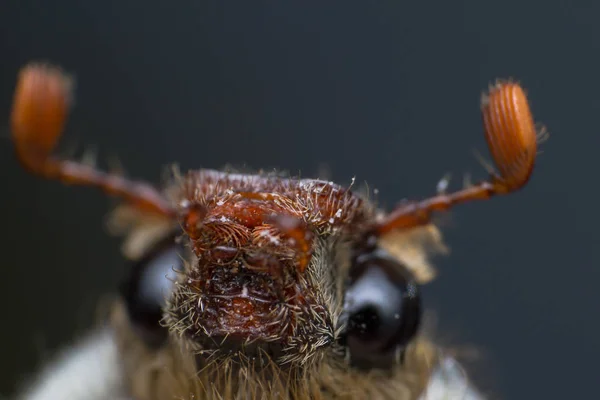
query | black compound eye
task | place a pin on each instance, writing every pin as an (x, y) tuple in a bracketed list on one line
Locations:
[(382, 309), (148, 286)]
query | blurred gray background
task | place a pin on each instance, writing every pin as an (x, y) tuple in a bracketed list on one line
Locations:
[(386, 91)]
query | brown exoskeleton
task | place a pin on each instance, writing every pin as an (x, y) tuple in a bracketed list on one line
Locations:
[(263, 286)]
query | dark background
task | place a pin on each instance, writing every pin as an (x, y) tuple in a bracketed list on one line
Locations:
[(386, 91)]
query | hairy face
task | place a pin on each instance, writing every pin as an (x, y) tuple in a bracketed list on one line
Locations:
[(223, 304)]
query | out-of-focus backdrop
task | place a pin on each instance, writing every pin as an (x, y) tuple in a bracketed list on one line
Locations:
[(385, 91)]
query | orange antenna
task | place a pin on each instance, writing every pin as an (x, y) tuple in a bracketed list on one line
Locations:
[(512, 138), (39, 114), (510, 133)]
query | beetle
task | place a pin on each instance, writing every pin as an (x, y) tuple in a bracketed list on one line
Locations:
[(263, 286)]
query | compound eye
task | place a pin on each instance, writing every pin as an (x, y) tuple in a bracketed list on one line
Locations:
[(148, 287), (382, 309)]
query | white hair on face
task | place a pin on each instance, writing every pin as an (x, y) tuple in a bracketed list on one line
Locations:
[(91, 370), (449, 381), (88, 370)]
